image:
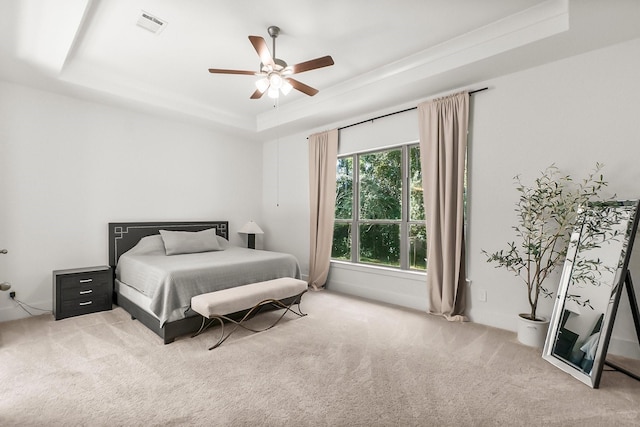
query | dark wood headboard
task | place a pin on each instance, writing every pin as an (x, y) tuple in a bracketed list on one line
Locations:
[(125, 235)]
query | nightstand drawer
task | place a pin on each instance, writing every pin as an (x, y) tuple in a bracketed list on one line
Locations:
[(79, 280), (85, 291), (84, 285), (77, 306), (82, 291)]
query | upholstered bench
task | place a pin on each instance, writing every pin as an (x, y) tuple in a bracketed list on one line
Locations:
[(216, 306)]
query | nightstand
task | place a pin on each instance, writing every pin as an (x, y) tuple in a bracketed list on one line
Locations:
[(81, 291)]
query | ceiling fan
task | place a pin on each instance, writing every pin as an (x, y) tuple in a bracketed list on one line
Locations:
[(275, 73)]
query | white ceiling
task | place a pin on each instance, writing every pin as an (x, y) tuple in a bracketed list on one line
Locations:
[(386, 52)]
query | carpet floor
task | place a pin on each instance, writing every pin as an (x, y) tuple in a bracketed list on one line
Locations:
[(350, 362)]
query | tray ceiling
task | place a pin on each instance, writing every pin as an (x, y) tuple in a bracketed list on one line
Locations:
[(386, 52)]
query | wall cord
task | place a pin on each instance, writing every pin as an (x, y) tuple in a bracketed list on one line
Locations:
[(23, 306)]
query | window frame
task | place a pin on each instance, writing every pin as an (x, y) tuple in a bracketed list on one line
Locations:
[(405, 222)]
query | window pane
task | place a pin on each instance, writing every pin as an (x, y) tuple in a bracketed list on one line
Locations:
[(380, 244), (417, 247), (341, 241), (416, 203), (381, 185), (344, 188)]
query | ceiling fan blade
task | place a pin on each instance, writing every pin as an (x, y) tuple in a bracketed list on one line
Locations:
[(263, 51), (325, 61), (257, 94), (219, 71), (302, 87)]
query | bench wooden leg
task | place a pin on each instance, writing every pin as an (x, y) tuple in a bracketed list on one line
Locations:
[(274, 302)]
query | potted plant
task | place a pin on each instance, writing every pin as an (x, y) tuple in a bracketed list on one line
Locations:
[(546, 214)]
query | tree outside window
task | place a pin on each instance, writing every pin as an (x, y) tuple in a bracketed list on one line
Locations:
[(386, 227), (417, 228), (344, 210)]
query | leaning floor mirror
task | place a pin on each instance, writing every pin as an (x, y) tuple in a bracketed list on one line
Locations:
[(594, 273)]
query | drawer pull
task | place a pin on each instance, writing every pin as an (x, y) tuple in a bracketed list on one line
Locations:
[(86, 303), (86, 281), (86, 292)]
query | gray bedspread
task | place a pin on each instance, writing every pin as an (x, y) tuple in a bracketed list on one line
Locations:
[(171, 281)]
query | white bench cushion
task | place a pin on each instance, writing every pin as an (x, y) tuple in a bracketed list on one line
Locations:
[(231, 300)]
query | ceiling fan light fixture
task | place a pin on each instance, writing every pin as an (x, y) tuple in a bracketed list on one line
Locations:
[(273, 93), (275, 80), (262, 84), (286, 87)]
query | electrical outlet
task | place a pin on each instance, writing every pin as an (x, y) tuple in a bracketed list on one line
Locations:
[(482, 296), (12, 295)]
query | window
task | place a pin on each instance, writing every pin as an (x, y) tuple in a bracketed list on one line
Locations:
[(379, 217)]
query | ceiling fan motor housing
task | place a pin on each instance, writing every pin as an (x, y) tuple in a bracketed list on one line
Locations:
[(279, 66)]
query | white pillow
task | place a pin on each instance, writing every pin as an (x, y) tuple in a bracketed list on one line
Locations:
[(224, 243), (149, 245), (189, 242)]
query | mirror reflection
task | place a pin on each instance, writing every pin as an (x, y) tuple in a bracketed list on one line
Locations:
[(593, 273)]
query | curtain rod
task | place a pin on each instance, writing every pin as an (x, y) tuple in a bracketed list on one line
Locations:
[(398, 112)]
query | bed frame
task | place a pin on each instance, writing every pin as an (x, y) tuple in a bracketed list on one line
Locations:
[(124, 236)]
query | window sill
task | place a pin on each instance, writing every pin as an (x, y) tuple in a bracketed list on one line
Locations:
[(379, 270)]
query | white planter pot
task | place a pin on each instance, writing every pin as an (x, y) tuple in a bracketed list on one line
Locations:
[(532, 332)]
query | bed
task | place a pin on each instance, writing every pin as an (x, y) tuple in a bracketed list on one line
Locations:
[(156, 288)]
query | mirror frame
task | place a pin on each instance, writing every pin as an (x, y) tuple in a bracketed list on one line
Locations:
[(620, 278)]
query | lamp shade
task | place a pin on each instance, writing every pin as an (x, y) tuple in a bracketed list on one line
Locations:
[(286, 88), (275, 80), (251, 228), (273, 92), (262, 84)]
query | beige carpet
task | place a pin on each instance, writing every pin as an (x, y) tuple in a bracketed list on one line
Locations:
[(348, 363)]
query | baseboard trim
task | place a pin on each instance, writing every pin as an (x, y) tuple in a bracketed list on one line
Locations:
[(624, 348), (14, 312), (619, 347), (377, 294)]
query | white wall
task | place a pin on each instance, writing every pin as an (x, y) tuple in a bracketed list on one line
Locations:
[(572, 112), (69, 167), (285, 197)]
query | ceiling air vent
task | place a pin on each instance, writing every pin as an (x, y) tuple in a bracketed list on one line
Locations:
[(150, 22)]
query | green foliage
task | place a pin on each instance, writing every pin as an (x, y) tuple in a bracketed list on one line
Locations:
[(381, 185), (344, 188), (418, 246), (341, 248), (380, 207), (596, 226), (380, 199), (546, 213), (380, 244), (416, 201)]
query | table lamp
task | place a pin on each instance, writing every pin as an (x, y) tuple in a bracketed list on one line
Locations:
[(251, 229)]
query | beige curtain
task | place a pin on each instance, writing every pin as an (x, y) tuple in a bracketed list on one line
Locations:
[(323, 155), (443, 127)]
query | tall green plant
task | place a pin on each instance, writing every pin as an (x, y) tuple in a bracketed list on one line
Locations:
[(546, 214)]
